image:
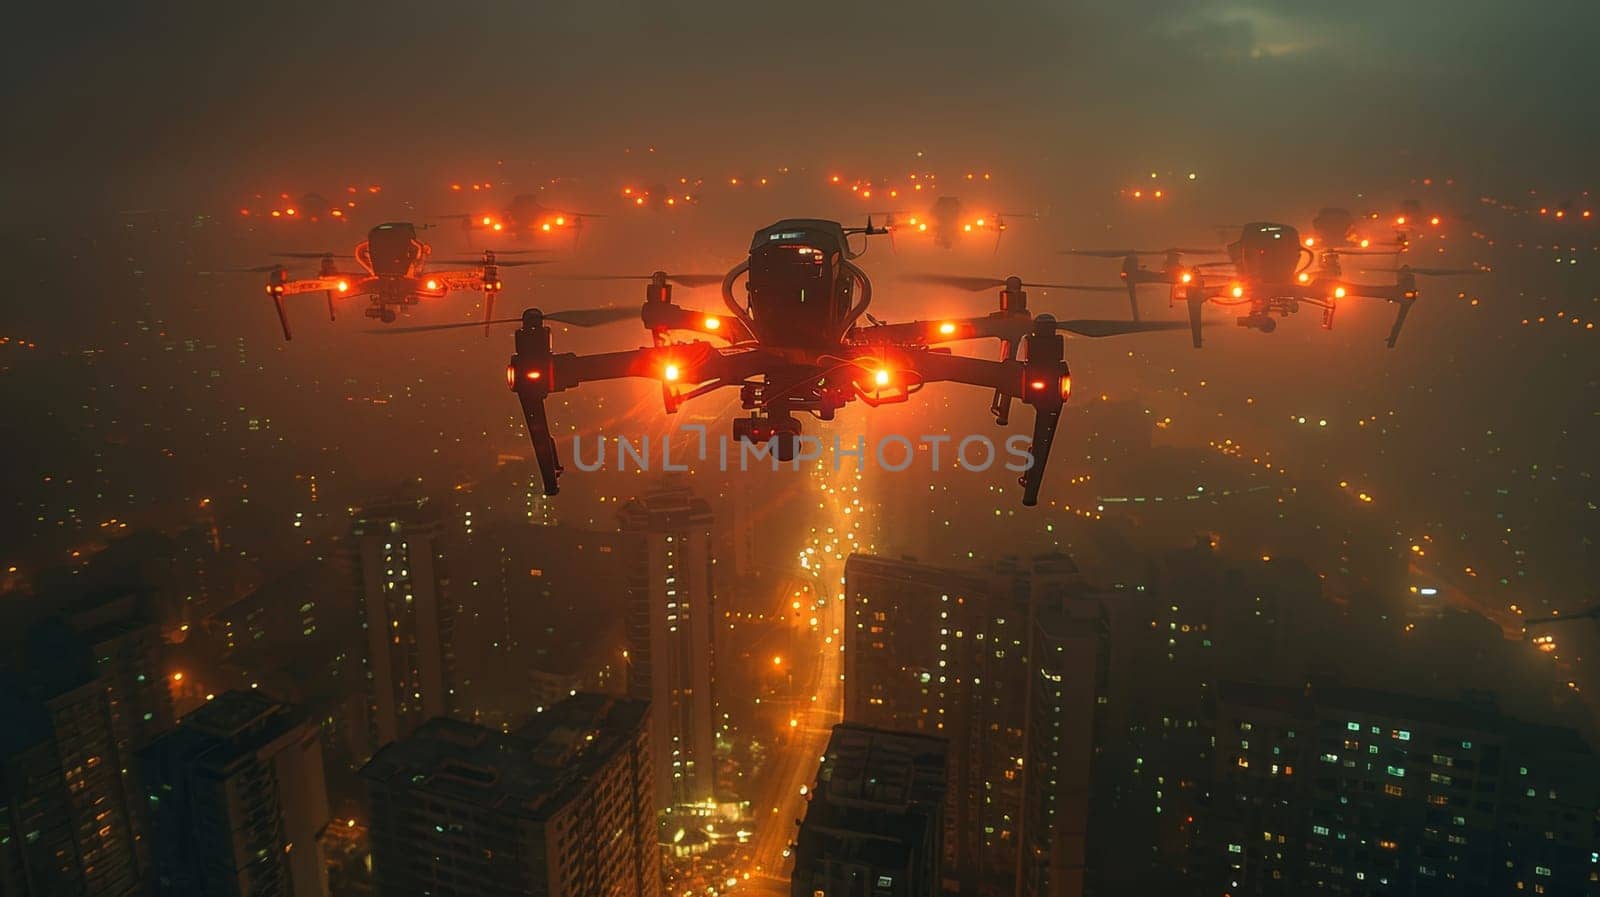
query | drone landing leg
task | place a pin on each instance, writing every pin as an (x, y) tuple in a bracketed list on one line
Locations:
[(330, 306), (1133, 299), (488, 310), (1045, 419), (1400, 320), (544, 445), (283, 318), (1195, 302)]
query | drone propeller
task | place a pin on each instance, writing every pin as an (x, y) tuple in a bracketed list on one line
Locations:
[(577, 317), (312, 255), (682, 280), (1124, 253), (1097, 328), (513, 263), (259, 269), (984, 283), (1430, 272)]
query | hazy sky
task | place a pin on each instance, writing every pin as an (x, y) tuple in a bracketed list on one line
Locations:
[(156, 91)]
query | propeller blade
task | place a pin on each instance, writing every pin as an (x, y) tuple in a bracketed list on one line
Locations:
[(577, 317), (424, 328), (1212, 265), (1099, 328), (312, 255), (1431, 272), (1190, 251), (593, 317), (511, 263), (259, 269), (1109, 253), (985, 283), (682, 280)]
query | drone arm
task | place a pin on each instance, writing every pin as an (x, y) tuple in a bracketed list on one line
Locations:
[(457, 280), (1010, 328), (353, 285), (666, 316)]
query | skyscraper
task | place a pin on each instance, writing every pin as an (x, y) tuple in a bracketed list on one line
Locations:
[(671, 606), (563, 806), (875, 821), (405, 588), (1349, 791), (951, 652), (237, 797), (64, 822)]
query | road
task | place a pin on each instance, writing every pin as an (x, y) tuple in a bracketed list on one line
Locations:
[(778, 802)]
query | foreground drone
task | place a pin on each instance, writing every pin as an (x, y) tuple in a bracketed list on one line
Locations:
[(394, 274), (797, 345), (1271, 273)]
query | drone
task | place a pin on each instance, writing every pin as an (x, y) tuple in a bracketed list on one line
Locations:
[(1335, 229), (394, 274), (1172, 271), (525, 216), (802, 342), (948, 222), (1275, 273)]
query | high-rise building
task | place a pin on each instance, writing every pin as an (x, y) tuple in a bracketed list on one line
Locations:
[(874, 824), (64, 821), (670, 622), (563, 806), (950, 652), (409, 614), (1350, 791), (1069, 655), (237, 797), (128, 652)]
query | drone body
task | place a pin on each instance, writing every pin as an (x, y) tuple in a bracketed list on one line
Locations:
[(797, 345), (394, 275)]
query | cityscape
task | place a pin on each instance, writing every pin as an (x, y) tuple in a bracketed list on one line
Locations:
[(919, 543)]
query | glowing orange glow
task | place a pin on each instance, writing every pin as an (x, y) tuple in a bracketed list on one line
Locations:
[(672, 201), (455, 186), (638, 200), (1400, 219), (1137, 194), (671, 373), (374, 188), (967, 228), (1238, 291), (499, 227), (777, 661), (834, 179), (1587, 213), (627, 191), (561, 221), (342, 286), (947, 328), (545, 227), (1066, 387), (980, 222), (244, 211), (276, 213), (432, 284), (1311, 241), (485, 221), (1038, 385), (511, 376), (1365, 243), (713, 322), (533, 375), (881, 377), (1435, 221), (922, 227), (1561, 213), (337, 213), (1338, 292), (1156, 194), (288, 211), (177, 677), (1185, 277), (1304, 277)]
